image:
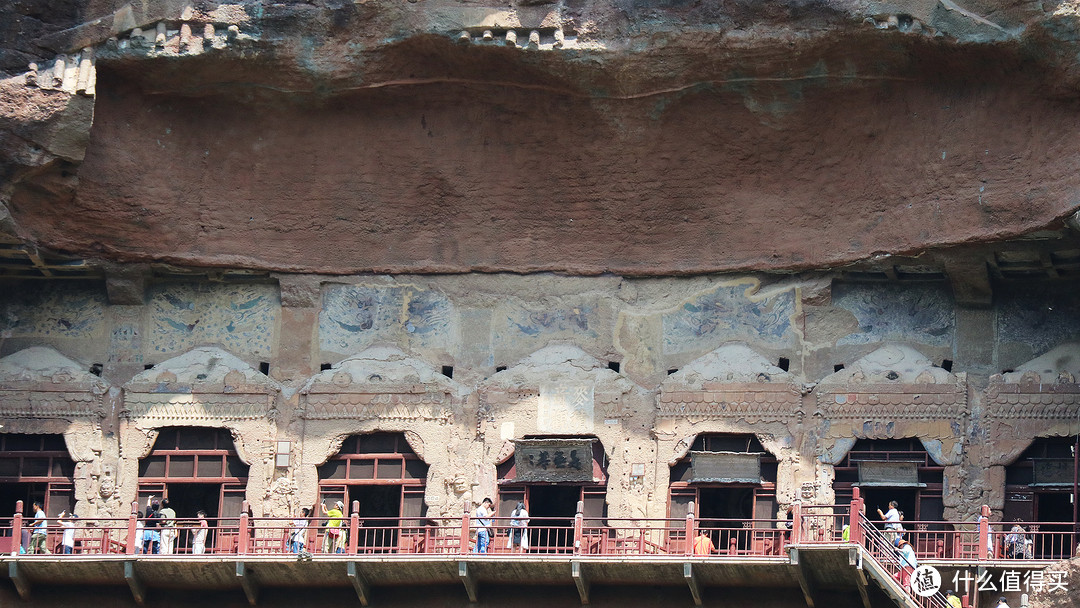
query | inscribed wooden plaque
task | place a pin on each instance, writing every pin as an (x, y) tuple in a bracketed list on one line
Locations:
[(553, 460), (1053, 471), (893, 474), (726, 467)]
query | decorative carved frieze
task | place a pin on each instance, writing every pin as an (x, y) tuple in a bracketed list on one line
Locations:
[(1033, 401), (50, 404), (378, 406), (894, 402), (199, 407), (753, 402)]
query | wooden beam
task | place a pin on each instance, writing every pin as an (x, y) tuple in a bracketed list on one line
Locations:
[(248, 582), (855, 559), (691, 581), (467, 580), (582, 582), (359, 583), (804, 580), (22, 584), (138, 589)]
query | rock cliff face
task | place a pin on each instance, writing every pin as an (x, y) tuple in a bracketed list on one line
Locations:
[(631, 136)]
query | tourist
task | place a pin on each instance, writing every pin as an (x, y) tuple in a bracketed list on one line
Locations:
[(198, 540), (40, 527), (892, 522), (67, 540), (335, 536), (908, 562), (1017, 544), (152, 536), (953, 600), (1002, 603), (140, 531), (298, 537), (482, 525), (519, 521), (168, 528), (703, 545)]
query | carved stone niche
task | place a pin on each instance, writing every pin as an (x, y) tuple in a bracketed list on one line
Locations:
[(203, 386), (1040, 398), (39, 382), (562, 390), (894, 384), (732, 382), (381, 383)]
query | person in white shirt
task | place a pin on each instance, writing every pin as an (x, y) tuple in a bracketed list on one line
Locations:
[(198, 540), (519, 535), (1001, 603), (482, 525), (168, 528), (68, 539), (298, 537), (892, 522)]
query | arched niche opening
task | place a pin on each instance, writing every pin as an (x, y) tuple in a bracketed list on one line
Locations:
[(383, 473), (34, 468), (893, 469), (196, 469), (551, 475), (1040, 489)]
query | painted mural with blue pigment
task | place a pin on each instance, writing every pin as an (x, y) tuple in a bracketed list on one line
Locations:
[(51, 310), (730, 312), (355, 316), (241, 319), (1040, 319), (516, 328), (905, 312)]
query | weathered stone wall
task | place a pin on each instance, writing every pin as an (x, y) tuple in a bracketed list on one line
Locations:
[(388, 339)]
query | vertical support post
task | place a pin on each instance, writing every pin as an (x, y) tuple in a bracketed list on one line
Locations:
[(16, 528), (984, 533), (354, 527), (689, 549), (465, 530), (579, 523), (244, 543), (855, 531), (132, 546), (796, 523)]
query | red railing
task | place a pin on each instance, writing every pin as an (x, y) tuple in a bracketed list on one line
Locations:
[(351, 535)]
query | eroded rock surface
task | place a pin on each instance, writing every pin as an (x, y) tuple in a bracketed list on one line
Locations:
[(586, 137)]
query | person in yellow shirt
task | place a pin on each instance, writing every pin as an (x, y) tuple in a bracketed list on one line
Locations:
[(703, 545), (954, 601), (335, 534)]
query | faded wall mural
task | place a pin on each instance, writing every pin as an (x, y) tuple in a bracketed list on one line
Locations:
[(355, 316), (240, 318), (1038, 318), (887, 312), (53, 310), (730, 312)]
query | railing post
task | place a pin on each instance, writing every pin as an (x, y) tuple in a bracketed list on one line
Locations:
[(464, 548), (354, 527), (133, 541), (796, 523), (16, 528), (855, 532), (984, 533), (579, 523), (244, 542), (690, 532)]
